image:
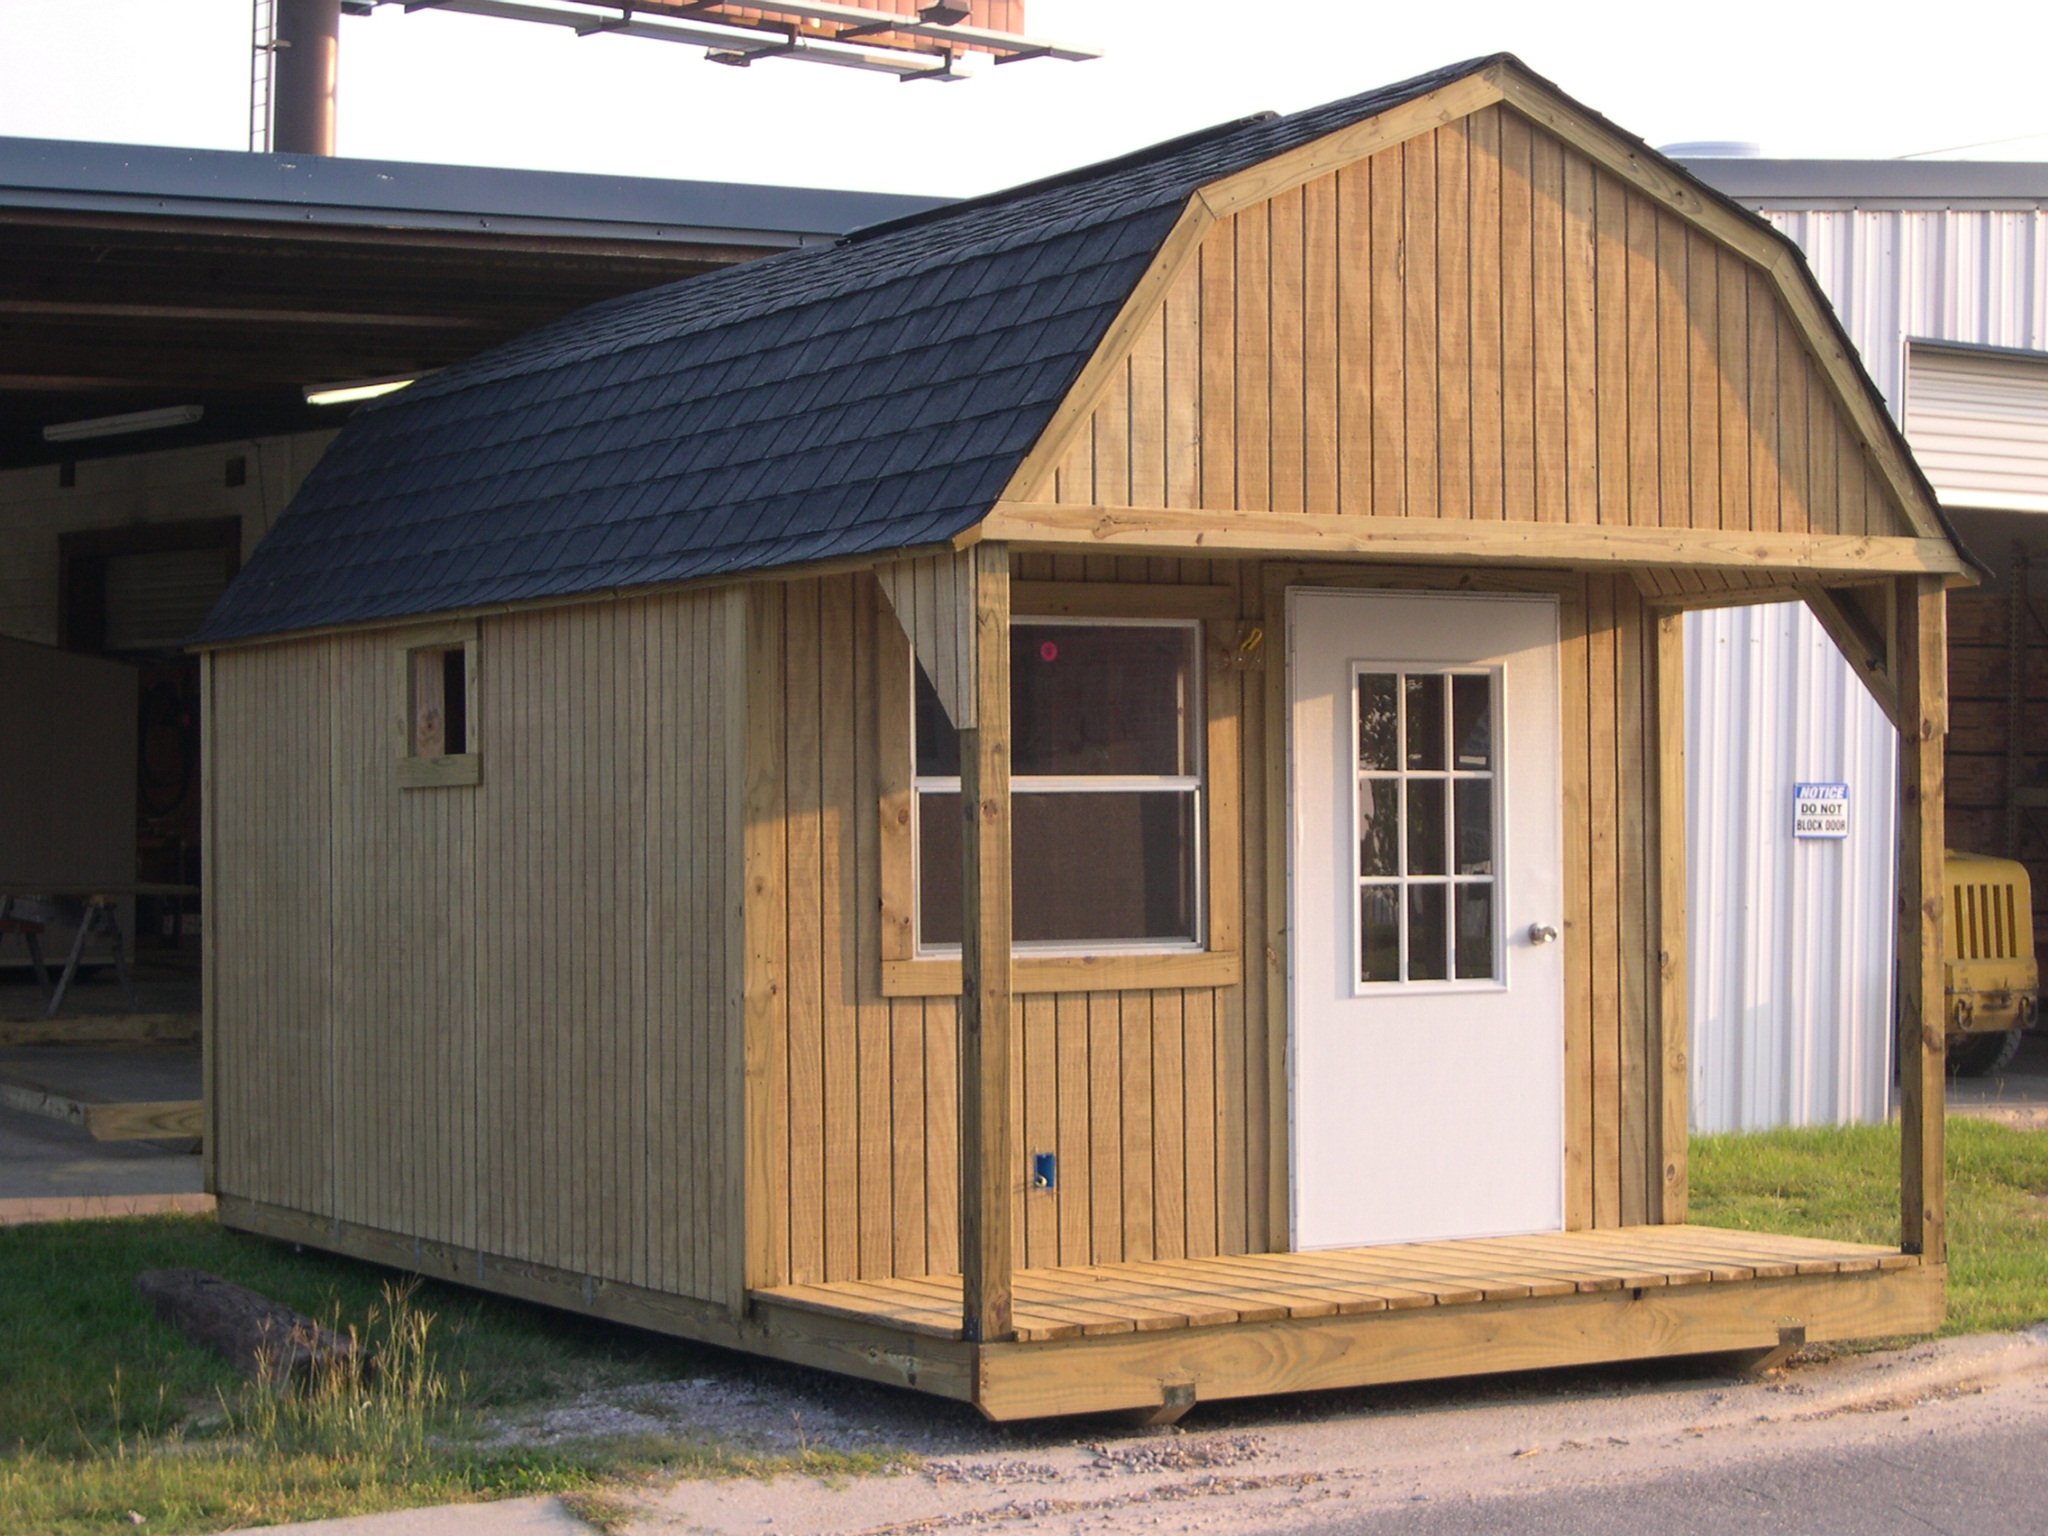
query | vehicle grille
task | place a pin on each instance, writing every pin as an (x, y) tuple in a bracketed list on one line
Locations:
[(1985, 922)]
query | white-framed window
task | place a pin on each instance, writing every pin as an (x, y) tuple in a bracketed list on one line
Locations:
[(1106, 781), (1425, 842)]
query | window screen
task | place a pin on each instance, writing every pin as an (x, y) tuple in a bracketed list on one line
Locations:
[(1106, 785)]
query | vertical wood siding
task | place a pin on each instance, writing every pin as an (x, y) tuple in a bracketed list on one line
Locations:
[(1478, 323), (270, 904), (1614, 1061), (498, 1016), (1154, 1100)]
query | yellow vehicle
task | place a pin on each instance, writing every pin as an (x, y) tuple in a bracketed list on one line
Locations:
[(1988, 953)]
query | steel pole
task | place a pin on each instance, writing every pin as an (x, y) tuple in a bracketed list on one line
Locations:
[(308, 64)]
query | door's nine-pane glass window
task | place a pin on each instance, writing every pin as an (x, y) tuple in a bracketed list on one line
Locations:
[(1426, 834), (1106, 786)]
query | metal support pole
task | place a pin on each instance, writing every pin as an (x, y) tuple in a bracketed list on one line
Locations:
[(308, 62)]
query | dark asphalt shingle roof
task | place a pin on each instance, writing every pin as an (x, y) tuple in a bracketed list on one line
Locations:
[(838, 400)]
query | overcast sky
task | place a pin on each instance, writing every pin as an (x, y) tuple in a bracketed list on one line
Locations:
[(1801, 77)]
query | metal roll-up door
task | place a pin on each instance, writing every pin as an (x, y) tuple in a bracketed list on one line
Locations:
[(1978, 423), (158, 599)]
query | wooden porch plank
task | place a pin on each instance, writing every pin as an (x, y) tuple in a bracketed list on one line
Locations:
[(894, 1295), (1202, 1278), (1039, 1320), (1107, 1315), (1192, 1309), (1347, 1297), (1043, 1324), (1199, 1301), (1495, 1281), (1775, 1245), (1190, 1281), (1340, 1263), (1770, 1256), (1271, 1266), (835, 1301), (1641, 1269), (1559, 1260), (1776, 1241), (1449, 1289), (1104, 1301), (1819, 1260)]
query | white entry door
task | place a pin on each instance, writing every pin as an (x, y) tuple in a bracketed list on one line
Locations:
[(1427, 905)]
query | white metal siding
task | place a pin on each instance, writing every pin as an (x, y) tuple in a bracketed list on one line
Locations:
[(1969, 275), (1979, 427), (1790, 942)]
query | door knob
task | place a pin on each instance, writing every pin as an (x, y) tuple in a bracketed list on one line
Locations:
[(1542, 933)]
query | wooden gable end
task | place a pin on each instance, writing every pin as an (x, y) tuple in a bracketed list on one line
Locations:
[(1479, 322)]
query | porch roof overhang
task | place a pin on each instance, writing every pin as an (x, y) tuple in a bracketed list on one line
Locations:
[(1296, 536)]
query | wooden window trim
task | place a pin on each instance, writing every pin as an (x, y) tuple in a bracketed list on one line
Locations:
[(454, 769), (1221, 963)]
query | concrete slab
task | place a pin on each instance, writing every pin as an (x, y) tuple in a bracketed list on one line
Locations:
[(106, 1074), (43, 1159), (21, 1213)]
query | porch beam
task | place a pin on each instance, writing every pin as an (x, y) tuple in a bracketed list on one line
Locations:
[(986, 1135), (1923, 714), (1175, 530), (1867, 641)]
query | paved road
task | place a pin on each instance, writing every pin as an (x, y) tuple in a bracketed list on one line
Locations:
[(1984, 1482)]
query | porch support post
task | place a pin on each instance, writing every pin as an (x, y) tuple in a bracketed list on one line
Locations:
[(1922, 675), (985, 1131)]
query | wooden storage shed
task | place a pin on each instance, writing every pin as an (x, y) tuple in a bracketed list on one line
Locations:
[(1277, 539)]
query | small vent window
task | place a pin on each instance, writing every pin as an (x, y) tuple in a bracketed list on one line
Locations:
[(437, 710), (440, 702)]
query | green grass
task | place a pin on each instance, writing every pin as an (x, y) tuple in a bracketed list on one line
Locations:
[(83, 1358), (105, 1410), (1843, 1182)]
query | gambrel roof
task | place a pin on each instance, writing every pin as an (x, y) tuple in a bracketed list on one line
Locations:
[(832, 402)]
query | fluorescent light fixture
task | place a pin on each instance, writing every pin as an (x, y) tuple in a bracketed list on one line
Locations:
[(115, 426), (360, 389)]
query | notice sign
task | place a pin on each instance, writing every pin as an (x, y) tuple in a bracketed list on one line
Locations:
[(1820, 810)]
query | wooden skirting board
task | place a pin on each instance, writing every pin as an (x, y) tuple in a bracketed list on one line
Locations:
[(102, 1029), (164, 1120), (831, 1344), (1734, 1295)]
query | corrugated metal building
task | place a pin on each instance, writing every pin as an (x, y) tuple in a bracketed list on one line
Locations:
[(1939, 271)]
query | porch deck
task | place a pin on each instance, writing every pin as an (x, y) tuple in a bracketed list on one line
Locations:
[(1138, 1335)]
